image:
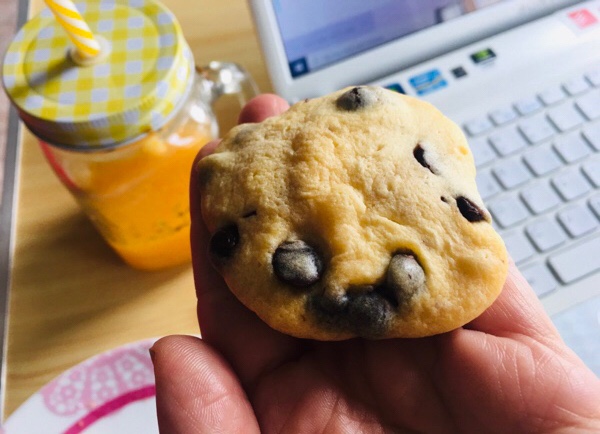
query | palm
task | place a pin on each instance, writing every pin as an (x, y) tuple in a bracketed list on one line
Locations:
[(507, 371), (430, 385), (466, 381), (353, 386)]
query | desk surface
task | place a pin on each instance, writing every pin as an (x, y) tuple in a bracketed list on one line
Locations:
[(71, 297)]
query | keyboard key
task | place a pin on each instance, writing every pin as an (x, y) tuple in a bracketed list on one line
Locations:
[(482, 151), (508, 211), (540, 197), (478, 126), (540, 278), (565, 117), (487, 185), (572, 147), (507, 141), (511, 173), (536, 128), (592, 135), (518, 246), (545, 234), (503, 115), (542, 161), (576, 85), (569, 265), (593, 76), (591, 169), (589, 104), (553, 95), (595, 204), (571, 184), (578, 220), (528, 105)]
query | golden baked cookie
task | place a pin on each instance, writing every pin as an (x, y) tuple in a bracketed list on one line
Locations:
[(354, 214)]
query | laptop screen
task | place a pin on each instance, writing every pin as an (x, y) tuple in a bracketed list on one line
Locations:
[(318, 33)]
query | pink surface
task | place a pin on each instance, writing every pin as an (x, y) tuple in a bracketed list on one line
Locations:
[(100, 380), (94, 390), (110, 407)]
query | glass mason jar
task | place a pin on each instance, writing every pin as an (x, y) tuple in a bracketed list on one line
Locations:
[(122, 133), (136, 194)]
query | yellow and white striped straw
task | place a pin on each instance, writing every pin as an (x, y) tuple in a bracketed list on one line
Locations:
[(67, 15)]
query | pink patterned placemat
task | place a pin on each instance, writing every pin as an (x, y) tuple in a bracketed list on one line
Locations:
[(113, 392)]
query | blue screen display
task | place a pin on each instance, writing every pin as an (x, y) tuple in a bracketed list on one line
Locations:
[(318, 33)]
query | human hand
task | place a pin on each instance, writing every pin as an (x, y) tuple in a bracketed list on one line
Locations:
[(506, 371)]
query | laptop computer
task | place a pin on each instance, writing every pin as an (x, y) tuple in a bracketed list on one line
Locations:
[(522, 77)]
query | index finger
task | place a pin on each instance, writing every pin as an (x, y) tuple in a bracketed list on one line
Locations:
[(517, 310)]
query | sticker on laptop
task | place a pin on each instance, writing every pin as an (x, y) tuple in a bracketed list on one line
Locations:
[(483, 57), (458, 72), (581, 20), (396, 87), (428, 82)]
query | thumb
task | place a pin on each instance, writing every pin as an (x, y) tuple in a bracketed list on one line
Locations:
[(196, 390), (262, 107)]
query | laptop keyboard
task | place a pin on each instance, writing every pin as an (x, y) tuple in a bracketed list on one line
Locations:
[(538, 171)]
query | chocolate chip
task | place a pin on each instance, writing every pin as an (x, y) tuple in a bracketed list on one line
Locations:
[(224, 241), (244, 132), (355, 99), (369, 314), (297, 263), (328, 308), (365, 314), (469, 210), (249, 214), (330, 313), (405, 276), (419, 154)]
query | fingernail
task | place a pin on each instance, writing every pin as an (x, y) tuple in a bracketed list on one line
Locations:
[(152, 354)]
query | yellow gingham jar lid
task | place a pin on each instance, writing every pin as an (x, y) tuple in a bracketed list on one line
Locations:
[(140, 84)]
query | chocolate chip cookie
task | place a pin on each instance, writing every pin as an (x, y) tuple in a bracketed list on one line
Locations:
[(354, 214)]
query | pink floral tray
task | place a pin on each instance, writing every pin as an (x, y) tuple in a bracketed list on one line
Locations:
[(112, 393)]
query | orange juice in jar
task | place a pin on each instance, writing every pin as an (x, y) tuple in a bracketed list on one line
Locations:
[(119, 189), (122, 132)]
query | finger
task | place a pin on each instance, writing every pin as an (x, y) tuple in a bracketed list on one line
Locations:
[(262, 107), (498, 381), (516, 311), (207, 149), (196, 391), (245, 341)]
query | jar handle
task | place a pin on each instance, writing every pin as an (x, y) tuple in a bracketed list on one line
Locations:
[(227, 78)]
